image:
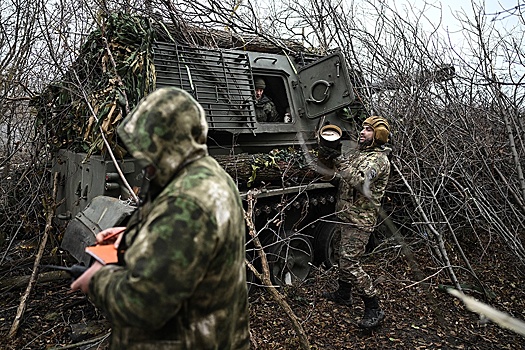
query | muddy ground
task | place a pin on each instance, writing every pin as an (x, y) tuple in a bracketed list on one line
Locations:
[(420, 315)]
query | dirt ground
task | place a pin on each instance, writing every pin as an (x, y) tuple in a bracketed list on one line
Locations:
[(419, 315)]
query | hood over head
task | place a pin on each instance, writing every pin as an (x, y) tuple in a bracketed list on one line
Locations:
[(167, 129)]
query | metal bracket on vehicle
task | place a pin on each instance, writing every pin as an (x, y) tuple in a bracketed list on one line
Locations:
[(101, 213)]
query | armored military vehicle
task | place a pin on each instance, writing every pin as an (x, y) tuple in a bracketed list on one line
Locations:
[(293, 203)]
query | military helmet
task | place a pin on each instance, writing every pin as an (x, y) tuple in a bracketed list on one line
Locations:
[(260, 83), (381, 128)]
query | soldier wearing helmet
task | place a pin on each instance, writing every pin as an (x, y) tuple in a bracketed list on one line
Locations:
[(181, 281), (265, 110), (380, 131), (362, 178)]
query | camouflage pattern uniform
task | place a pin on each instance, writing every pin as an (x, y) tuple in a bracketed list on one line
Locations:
[(183, 280), (265, 110), (363, 177)]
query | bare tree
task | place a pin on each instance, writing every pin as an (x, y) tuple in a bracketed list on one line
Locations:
[(457, 121), (456, 113)]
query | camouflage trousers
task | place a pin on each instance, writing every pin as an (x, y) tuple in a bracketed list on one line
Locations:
[(352, 244)]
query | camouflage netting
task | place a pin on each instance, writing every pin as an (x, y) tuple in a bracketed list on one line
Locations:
[(114, 70)]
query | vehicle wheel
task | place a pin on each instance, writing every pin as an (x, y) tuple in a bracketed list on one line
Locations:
[(293, 259), (326, 244)]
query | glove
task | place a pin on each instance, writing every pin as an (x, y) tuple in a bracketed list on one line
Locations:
[(329, 153)]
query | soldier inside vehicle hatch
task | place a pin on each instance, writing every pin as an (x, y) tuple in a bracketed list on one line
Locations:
[(265, 110)]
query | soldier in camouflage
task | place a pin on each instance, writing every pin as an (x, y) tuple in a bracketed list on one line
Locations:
[(181, 281), (362, 178), (265, 110)]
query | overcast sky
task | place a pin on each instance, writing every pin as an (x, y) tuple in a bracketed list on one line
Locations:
[(452, 9)]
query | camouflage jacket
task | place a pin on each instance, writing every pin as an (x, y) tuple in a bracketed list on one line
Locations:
[(265, 110), (363, 176), (183, 280)]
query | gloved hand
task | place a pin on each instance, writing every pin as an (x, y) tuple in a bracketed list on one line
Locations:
[(329, 153)]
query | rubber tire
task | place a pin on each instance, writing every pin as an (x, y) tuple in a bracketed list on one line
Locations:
[(325, 245), (293, 261)]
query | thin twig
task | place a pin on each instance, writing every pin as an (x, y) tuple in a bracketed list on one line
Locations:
[(49, 226), (83, 343), (265, 275), (424, 279)]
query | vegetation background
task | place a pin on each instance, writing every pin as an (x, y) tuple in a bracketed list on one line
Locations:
[(457, 192)]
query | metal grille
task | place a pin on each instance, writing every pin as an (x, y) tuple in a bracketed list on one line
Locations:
[(220, 80)]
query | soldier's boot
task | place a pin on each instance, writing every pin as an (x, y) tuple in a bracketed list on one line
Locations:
[(342, 296), (373, 313)]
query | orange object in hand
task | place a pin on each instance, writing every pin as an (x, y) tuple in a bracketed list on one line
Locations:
[(105, 251), (104, 254)]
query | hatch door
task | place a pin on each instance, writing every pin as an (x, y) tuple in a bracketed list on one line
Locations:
[(325, 85)]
